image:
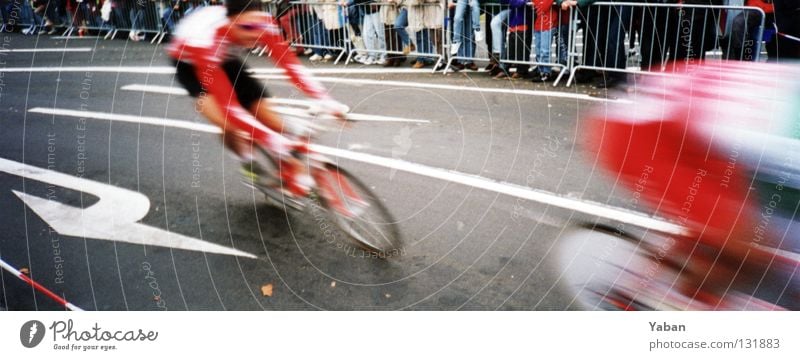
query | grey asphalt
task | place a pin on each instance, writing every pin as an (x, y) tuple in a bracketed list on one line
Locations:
[(465, 248)]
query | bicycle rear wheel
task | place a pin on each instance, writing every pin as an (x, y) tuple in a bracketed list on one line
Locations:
[(358, 212)]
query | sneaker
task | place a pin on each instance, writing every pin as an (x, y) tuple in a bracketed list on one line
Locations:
[(315, 57), (369, 61), (381, 61), (454, 48), (479, 36), (28, 31), (456, 66), (409, 49), (471, 66), (360, 58), (327, 57), (308, 52)]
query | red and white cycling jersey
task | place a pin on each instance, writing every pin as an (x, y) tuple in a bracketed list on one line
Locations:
[(202, 39)]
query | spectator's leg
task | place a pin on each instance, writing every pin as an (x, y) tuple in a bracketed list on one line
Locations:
[(370, 37), (543, 50), (654, 38), (458, 22), (499, 25), (475, 11), (400, 24)]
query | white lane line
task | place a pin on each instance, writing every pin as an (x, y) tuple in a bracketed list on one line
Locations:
[(171, 70), (55, 50), (74, 37), (182, 124), (169, 90), (96, 69), (419, 85), (540, 196), (114, 217)]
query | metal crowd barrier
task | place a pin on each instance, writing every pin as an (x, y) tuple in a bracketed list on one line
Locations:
[(319, 26), (643, 38), (519, 46), (393, 30)]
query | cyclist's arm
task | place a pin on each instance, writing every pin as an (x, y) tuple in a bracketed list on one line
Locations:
[(281, 54)]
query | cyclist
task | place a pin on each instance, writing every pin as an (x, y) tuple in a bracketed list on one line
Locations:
[(719, 144), (204, 51)]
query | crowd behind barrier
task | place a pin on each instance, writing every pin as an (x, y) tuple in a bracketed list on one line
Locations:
[(540, 40)]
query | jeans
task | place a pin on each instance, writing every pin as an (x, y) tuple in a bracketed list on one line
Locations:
[(400, 24), (137, 18), (374, 37), (458, 19), (499, 25), (425, 44), (467, 48), (542, 44), (119, 19), (561, 33)]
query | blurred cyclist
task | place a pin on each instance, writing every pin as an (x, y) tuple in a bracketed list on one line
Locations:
[(721, 145), (205, 50)]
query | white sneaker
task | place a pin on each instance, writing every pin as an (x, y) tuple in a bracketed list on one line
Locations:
[(381, 61), (360, 58), (369, 61), (454, 48), (308, 52), (315, 57), (327, 57), (479, 36)]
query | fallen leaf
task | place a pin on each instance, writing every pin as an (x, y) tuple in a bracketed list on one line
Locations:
[(388, 295), (25, 271), (266, 290), (333, 284)]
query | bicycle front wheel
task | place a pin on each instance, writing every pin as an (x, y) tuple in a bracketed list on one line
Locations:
[(358, 212)]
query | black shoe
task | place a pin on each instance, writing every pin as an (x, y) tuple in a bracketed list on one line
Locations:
[(543, 78)]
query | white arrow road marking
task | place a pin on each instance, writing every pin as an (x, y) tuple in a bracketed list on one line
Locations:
[(540, 196), (114, 217)]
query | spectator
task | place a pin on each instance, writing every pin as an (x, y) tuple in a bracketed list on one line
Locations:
[(372, 32), (400, 25), (333, 22), (425, 18), (604, 36), (285, 16), (389, 14), (683, 33), (499, 26), (459, 30), (545, 18), (520, 18), (136, 12), (465, 48), (744, 29), (491, 8)]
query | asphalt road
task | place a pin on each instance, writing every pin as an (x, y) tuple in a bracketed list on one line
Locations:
[(466, 247)]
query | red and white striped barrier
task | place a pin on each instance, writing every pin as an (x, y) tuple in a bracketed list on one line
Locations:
[(38, 286)]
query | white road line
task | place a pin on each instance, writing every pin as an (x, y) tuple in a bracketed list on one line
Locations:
[(54, 50), (74, 37), (181, 124), (168, 90), (582, 206), (171, 70), (419, 85)]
